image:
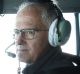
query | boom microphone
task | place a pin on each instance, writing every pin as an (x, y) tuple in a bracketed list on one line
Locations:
[(10, 53)]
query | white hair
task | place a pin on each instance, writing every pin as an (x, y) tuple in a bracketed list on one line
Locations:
[(47, 15)]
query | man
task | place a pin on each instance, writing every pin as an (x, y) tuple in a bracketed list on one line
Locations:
[(33, 21)]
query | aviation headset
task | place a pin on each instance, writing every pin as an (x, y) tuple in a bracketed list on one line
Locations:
[(59, 31)]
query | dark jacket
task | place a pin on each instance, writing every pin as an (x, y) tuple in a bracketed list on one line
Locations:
[(52, 62)]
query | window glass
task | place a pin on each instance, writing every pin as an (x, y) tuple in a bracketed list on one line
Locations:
[(70, 46)]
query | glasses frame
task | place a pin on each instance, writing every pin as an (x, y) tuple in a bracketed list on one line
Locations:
[(25, 31)]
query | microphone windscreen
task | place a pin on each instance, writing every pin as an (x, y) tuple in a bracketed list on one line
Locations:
[(11, 54)]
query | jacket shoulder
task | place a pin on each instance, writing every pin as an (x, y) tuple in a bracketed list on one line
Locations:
[(64, 70)]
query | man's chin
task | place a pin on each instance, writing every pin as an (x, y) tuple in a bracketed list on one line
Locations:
[(26, 61)]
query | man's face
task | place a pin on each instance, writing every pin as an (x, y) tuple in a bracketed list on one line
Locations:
[(28, 50)]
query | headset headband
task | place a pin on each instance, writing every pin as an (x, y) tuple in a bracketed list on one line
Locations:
[(39, 1)]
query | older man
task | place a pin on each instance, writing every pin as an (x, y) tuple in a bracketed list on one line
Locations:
[(33, 21)]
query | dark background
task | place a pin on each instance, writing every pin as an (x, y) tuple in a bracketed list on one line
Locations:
[(10, 6)]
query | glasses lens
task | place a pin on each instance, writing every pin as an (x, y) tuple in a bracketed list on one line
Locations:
[(16, 33), (29, 34)]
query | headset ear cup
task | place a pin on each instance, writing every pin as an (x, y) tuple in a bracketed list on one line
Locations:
[(64, 27), (59, 35)]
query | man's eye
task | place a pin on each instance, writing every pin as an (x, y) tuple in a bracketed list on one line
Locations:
[(31, 32)]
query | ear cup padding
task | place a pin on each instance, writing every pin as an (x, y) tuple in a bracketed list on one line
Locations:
[(59, 35), (52, 35)]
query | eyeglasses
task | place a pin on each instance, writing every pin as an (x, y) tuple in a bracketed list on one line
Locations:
[(27, 33)]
